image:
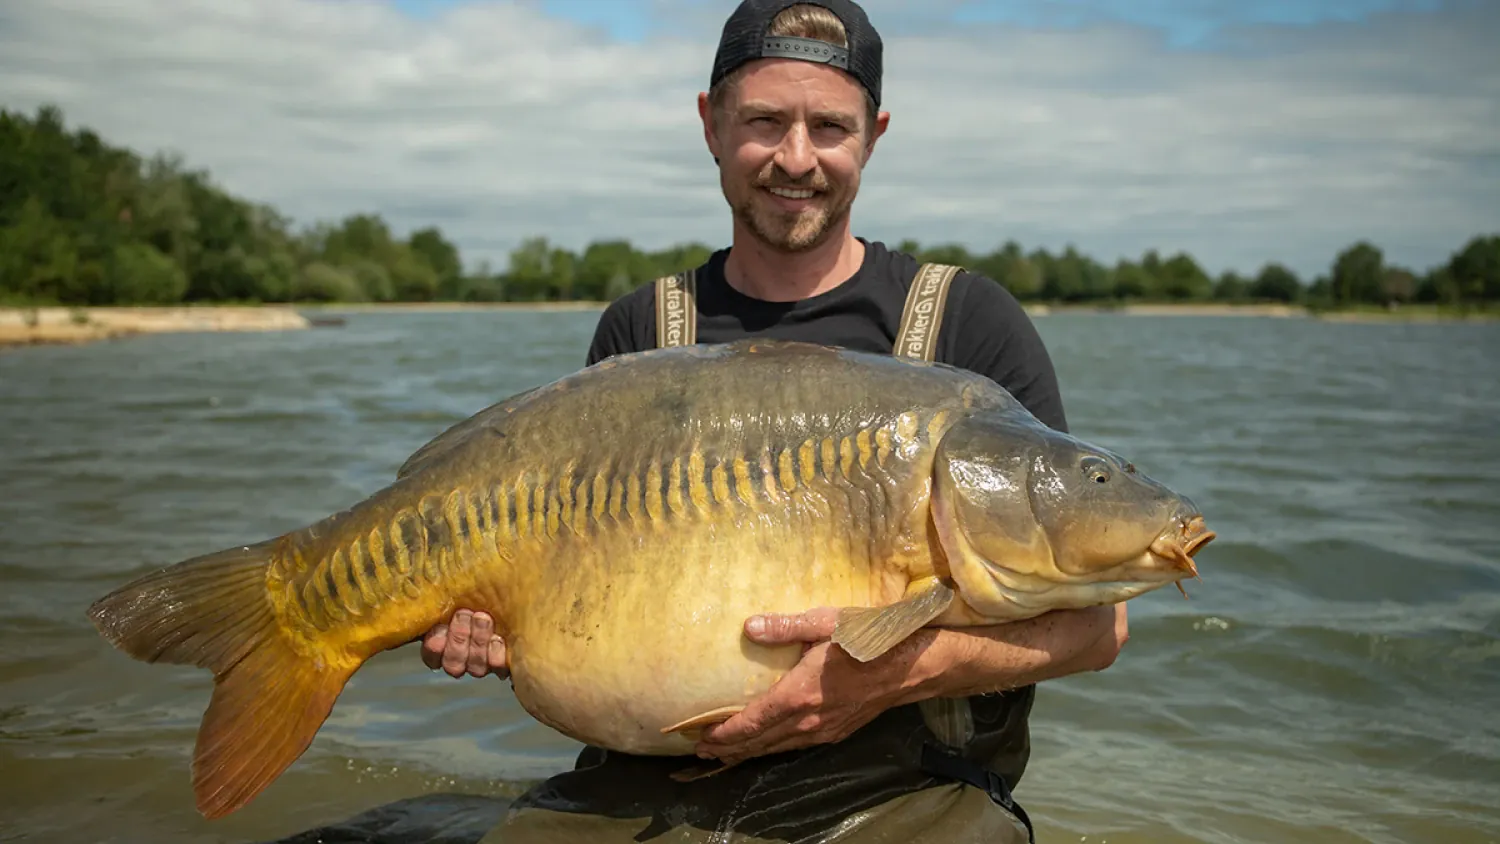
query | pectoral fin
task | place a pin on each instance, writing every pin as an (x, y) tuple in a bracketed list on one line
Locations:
[(691, 726), (868, 632)]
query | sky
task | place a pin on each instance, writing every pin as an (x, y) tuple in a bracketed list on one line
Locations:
[(1239, 132)]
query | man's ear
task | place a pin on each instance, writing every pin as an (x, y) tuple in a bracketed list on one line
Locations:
[(706, 114), (882, 122)]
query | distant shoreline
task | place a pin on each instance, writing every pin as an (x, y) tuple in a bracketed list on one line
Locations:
[(67, 326), (21, 326), (441, 307), (1408, 313), (1198, 309)]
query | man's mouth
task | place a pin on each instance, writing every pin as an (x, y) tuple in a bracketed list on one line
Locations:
[(791, 193)]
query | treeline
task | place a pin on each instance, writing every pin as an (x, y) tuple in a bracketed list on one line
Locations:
[(83, 222)]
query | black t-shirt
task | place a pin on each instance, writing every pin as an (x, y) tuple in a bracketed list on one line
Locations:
[(985, 330)]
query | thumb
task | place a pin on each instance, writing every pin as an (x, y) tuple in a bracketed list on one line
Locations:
[(815, 625)]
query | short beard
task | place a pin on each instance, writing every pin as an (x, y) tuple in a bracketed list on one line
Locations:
[(787, 233)]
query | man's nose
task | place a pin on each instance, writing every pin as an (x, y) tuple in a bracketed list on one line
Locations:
[(795, 156)]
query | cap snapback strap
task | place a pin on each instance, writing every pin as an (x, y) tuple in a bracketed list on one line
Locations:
[(806, 49)]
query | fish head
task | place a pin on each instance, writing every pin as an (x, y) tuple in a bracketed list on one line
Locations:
[(1032, 519)]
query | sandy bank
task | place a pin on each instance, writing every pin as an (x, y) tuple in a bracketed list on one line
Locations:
[(26, 326), (1410, 316), (449, 307)]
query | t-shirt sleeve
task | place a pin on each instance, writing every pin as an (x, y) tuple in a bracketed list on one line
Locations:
[(621, 329), (995, 337)]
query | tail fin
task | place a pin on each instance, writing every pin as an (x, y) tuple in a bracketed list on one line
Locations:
[(268, 700)]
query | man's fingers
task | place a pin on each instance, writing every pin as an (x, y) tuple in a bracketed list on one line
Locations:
[(466, 645), (432, 646), (734, 734), (776, 629), (777, 706), (770, 738), (497, 657), (482, 632), (456, 654)]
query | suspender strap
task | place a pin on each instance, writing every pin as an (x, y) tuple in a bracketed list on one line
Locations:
[(921, 321), (923, 316), (676, 309)]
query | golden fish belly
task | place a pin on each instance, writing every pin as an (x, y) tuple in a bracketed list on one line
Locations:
[(627, 642), (632, 622)]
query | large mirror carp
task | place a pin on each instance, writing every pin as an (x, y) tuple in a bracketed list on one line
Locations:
[(622, 522)]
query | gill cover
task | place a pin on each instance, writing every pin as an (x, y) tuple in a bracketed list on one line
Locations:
[(981, 508)]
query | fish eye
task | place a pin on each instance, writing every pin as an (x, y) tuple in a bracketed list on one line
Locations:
[(1095, 469)]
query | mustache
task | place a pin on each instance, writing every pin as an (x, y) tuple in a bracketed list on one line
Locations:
[(775, 177)]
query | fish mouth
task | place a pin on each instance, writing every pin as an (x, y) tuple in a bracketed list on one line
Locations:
[(1176, 549)]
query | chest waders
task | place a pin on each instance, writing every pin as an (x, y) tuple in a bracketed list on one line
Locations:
[(892, 782)]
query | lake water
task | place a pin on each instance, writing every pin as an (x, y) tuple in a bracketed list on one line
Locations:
[(1335, 677)]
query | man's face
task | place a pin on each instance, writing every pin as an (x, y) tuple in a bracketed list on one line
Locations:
[(791, 139)]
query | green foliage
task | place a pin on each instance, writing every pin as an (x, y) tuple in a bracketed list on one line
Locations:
[(1474, 273), (85, 223), (139, 274), (1276, 283), (1182, 279), (1231, 287), (1357, 273)]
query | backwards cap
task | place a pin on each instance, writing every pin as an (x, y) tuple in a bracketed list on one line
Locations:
[(745, 39)]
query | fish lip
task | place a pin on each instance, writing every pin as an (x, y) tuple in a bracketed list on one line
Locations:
[(1196, 535), (1194, 543), (1176, 548)]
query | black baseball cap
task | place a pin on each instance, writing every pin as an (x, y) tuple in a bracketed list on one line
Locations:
[(744, 40)]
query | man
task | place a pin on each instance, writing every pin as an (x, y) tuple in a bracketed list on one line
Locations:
[(835, 752)]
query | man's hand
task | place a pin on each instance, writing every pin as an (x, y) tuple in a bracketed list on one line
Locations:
[(828, 694), (823, 699), (466, 645)]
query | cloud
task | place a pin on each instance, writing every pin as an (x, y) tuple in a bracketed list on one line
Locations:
[(495, 121), (1184, 22)]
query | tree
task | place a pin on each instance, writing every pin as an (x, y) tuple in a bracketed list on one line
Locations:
[(1276, 283), (1094, 281), (1475, 269), (530, 275), (1398, 285), (438, 253), (1181, 278), (141, 275), (1131, 281), (1010, 267), (947, 253), (1231, 287), (1357, 273), (602, 268)]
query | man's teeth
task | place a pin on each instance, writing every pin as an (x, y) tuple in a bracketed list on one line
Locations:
[(792, 194)]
